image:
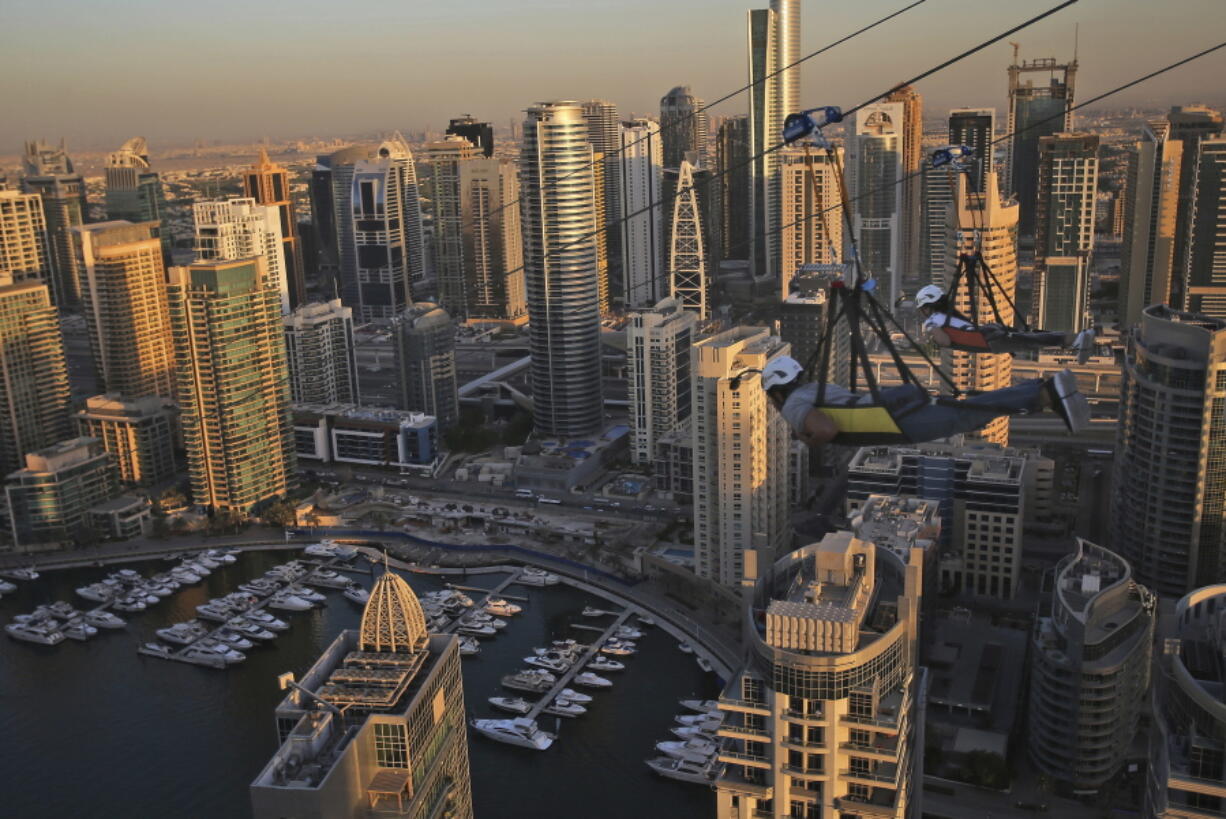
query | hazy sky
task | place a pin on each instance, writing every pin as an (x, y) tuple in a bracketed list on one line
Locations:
[(99, 71)]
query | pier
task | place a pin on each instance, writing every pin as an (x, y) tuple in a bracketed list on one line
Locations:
[(578, 667)]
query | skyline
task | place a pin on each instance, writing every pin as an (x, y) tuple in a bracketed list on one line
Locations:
[(275, 55)]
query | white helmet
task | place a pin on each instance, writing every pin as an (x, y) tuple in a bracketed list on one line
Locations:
[(783, 370), (928, 294)]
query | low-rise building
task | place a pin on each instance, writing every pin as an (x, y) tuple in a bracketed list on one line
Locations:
[(345, 433), (139, 435), (49, 500), (559, 466), (121, 518)]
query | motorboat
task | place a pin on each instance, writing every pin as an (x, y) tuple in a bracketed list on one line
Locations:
[(325, 548), (182, 633), (97, 592), (477, 631), (627, 633), (618, 649), (589, 680), (60, 609), (562, 707), (685, 732), (218, 610), (697, 719), (185, 576), (327, 579), (159, 590), (469, 646), (605, 664), (285, 601), (705, 665), (204, 656), (480, 618), (575, 696), (683, 770), (521, 732), (289, 571), (103, 619), (685, 648), (166, 579), (249, 629), (78, 629), (205, 560), (462, 598), (154, 650), (149, 597), (592, 611), (233, 639), (130, 603), (308, 594), (356, 594), (697, 750), (265, 620), (230, 655), (516, 705), (20, 574), (46, 632), (501, 608), (531, 680), (260, 586), (701, 706), (538, 577), (644, 620), (240, 601), (127, 576), (6, 587), (548, 663), (226, 556)]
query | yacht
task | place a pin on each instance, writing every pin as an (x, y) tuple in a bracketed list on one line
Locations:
[(592, 611), (307, 593), (644, 620), (618, 648), (683, 770), (479, 631), (265, 620), (97, 592), (159, 590), (215, 609), (698, 719), (6, 587), (154, 650), (182, 633), (531, 680), (627, 633), (60, 609), (185, 576), (548, 663), (705, 665), (501, 608), (469, 646), (605, 664), (562, 707), (327, 579), (260, 586), (357, 594), (522, 732), (285, 601), (589, 680), (46, 632), (685, 732), (701, 706), (226, 556), (685, 648), (103, 619), (575, 696), (697, 750), (480, 618), (233, 639), (207, 562), (324, 548), (538, 577), (516, 705), (230, 655), (78, 629), (20, 574), (249, 629), (130, 603), (204, 656), (166, 579)]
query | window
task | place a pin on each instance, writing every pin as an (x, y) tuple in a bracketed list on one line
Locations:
[(391, 747)]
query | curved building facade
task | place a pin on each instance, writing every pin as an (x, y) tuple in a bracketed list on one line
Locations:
[(558, 214), (1090, 668)]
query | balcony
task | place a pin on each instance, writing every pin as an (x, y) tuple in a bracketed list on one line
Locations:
[(801, 772), (743, 732), (887, 774), (873, 806), (797, 744), (803, 718), (890, 724), (739, 758), (729, 780), (883, 750), (745, 706)]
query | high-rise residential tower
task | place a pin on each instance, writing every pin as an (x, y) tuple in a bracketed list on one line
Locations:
[(1090, 669), (640, 164), (41, 159), (446, 157), (491, 241), (1168, 512), (658, 343), (732, 163), (1064, 230), (268, 184), (811, 218), (232, 384), (25, 253), (683, 127), (876, 154), (911, 221), (33, 374), (240, 228), (1035, 111), (687, 261), (604, 134), (319, 354), (134, 190), (425, 350), (976, 128), (1204, 265), (967, 126), (480, 134), (558, 212), (49, 173), (123, 296), (331, 180), (740, 453), (774, 45)]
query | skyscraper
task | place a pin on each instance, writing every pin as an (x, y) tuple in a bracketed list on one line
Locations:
[(875, 165), (1204, 266), (232, 383), (425, 351), (984, 223), (1168, 506), (268, 184), (825, 717), (557, 208), (1064, 230), (976, 128), (1034, 112), (732, 161), (134, 189), (480, 134), (446, 157), (24, 251), (683, 127), (49, 173), (687, 254), (331, 180), (492, 244), (123, 296), (238, 229), (658, 344), (604, 134), (599, 184), (41, 159), (740, 453), (641, 212), (319, 354), (33, 374), (774, 44), (399, 746), (911, 221), (973, 127), (1090, 670), (811, 216), (138, 434)]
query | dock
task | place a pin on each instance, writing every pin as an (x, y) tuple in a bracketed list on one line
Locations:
[(521, 598), (479, 606), (578, 667)]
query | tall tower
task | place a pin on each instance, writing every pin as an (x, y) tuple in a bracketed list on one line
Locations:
[(774, 44), (1168, 507), (967, 126), (1034, 112), (268, 184), (134, 189), (687, 256), (732, 161), (233, 384), (446, 157), (24, 251), (425, 350), (238, 229), (641, 213), (1064, 230), (911, 220), (319, 354), (604, 134), (33, 374), (740, 453), (975, 127), (492, 244), (875, 164), (683, 127), (1204, 268), (123, 296), (558, 211), (994, 222), (480, 134), (658, 345), (1159, 191), (49, 173), (600, 184), (330, 184), (811, 216)]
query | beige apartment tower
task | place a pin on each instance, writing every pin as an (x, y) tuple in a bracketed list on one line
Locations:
[(268, 184), (25, 254), (33, 374), (740, 453), (658, 343), (123, 296), (233, 385), (823, 720), (138, 434), (810, 216)]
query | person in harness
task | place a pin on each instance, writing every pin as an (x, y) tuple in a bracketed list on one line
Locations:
[(908, 413), (949, 328)]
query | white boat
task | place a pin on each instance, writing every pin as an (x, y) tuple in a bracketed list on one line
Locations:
[(166, 579), (562, 707), (693, 732), (185, 576), (521, 732), (78, 629), (265, 620), (605, 664), (538, 577), (701, 706), (207, 562), (215, 610), (698, 719), (683, 770), (159, 590), (260, 586), (469, 646), (480, 631), (249, 629), (627, 633), (6, 587), (696, 750), (20, 574), (532, 680), (618, 649), (356, 594), (284, 601), (575, 696), (480, 618), (103, 619), (589, 680), (685, 648), (182, 633), (230, 655), (548, 663), (97, 592), (516, 705), (592, 611), (221, 556), (327, 579), (500, 607), (153, 649), (130, 604), (308, 594), (233, 639), (46, 633), (204, 656), (644, 620), (705, 665), (60, 609), (324, 548)]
